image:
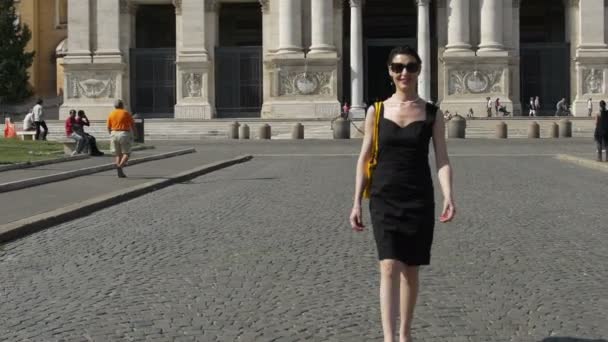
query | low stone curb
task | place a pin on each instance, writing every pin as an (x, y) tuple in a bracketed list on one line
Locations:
[(26, 183), (27, 165), (18, 229), (588, 163)]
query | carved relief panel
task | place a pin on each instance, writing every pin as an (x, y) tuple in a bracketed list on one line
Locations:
[(593, 81), (462, 82), (192, 85), (92, 85), (305, 83)]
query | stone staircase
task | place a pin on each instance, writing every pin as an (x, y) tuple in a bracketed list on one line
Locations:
[(167, 129)]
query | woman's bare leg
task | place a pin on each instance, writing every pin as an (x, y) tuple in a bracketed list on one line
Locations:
[(389, 296), (409, 293)]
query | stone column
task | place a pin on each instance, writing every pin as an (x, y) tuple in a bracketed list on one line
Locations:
[(108, 29), (192, 59), (459, 38), (591, 25), (322, 26), (491, 26), (356, 59), (193, 28), (424, 49), (290, 26), (79, 44)]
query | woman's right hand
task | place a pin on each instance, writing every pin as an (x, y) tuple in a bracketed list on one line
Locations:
[(356, 221)]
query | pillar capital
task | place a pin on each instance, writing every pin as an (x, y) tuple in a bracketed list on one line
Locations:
[(423, 2), (264, 5), (356, 3), (178, 6)]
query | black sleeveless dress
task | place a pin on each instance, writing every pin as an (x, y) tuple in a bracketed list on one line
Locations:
[(402, 203)]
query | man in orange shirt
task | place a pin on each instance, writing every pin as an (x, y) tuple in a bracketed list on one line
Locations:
[(120, 126)]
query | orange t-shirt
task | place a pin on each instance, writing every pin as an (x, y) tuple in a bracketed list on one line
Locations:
[(120, 120)]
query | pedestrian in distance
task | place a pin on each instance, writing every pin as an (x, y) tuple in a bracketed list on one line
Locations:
[(39, 121), (601, 131), (590, 106), (532, 108), (393, 172), (120, 125), (489, 106)]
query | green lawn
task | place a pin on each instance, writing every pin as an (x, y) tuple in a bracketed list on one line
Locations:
[(17, 151)]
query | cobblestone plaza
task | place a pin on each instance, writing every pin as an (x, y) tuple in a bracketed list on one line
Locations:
[(262, 251)]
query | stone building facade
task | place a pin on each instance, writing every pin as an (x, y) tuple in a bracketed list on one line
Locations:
[(204, 59), (48, 22)]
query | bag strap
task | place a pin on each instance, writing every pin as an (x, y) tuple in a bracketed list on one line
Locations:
[(378, 112)]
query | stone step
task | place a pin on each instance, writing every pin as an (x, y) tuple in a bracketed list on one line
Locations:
[(314, 129)]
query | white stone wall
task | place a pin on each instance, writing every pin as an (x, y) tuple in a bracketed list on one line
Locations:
[(297, 83)]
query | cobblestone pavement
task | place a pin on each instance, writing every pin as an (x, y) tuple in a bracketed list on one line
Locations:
[(262, 252)]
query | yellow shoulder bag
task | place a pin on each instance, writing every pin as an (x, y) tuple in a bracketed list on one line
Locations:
[(373, 160)]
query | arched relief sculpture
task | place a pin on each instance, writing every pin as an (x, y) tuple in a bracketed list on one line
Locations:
[(463, 82), (305, 83), (91, 85)]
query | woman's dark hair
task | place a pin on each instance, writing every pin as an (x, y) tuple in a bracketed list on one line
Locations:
[(72, 111), (81, 112), (403, 50), (603, 105), (39, 101)]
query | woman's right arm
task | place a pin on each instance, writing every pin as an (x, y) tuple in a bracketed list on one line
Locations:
[(361, 174), (364, 156)]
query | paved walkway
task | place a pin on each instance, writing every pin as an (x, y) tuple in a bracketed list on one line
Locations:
[(262, 251)]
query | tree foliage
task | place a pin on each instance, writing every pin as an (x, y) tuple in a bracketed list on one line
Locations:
[(14, 60)]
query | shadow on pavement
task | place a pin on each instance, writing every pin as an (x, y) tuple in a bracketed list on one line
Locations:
[(571, 339), (232, 180)]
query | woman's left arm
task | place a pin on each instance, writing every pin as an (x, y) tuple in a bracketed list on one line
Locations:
[(444, 170)]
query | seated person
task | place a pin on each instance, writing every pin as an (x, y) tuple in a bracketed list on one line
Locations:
[(503, 110), (82, 120), (28, 122), (74, 130)]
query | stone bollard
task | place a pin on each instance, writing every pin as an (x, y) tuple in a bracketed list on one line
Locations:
[(298, 131), (341, 128), (501, 130), (534, 130), (244, 132), (554, 130), (565, 128), (264, 132), (233, 130), (457, 127)]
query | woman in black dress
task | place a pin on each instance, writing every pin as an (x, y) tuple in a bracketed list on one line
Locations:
[(601, 131), (402, 200)]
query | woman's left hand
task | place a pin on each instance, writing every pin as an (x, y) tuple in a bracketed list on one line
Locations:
[(448, 212)]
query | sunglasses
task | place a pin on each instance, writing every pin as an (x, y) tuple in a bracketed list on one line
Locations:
[(410, 67)]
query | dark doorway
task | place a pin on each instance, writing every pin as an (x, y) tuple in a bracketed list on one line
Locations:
[(238, 61), (544, 54), (386, 24), (152, 61)]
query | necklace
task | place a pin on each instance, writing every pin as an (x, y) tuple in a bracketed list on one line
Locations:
[(404, 103)]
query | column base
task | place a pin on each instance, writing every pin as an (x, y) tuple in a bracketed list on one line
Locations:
[(303, 109), (202, 111), (458, 52), (298, 87), (469, 81), (93, 87), (357, 113)]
